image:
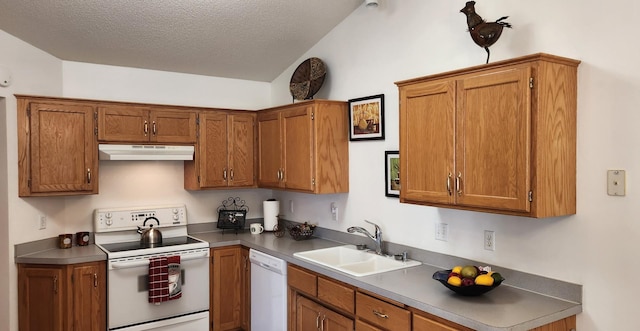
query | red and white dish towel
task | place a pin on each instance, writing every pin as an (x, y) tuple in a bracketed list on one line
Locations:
[(164, 279)]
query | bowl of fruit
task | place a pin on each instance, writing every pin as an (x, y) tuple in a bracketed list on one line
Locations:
[(469, 280)]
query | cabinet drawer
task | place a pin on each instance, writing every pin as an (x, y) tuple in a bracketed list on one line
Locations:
[(421, 323), (381, 313), (302, 281), (336, 294), (362, 326)]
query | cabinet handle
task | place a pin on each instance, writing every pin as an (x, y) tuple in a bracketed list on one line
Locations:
[(449, 183), (155, 131), (95, 280), (318, 321), (458, 180), (224, 174), (279, 175), (322, 323), (379, 314), (231, 171), (55, 284), (89, 176), (146, 128), (282, 175)]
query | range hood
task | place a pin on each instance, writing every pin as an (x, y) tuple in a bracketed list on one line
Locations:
[(145, 152)]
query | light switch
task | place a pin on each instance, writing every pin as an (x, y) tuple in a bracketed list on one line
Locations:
[(616, 182)]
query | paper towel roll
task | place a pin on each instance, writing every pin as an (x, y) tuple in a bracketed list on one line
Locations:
[(271, 209)]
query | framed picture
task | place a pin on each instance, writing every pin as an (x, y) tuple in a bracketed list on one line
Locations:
[(366, 118), (392, 173)]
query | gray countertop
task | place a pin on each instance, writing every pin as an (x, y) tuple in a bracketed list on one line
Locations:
[(505, 308)]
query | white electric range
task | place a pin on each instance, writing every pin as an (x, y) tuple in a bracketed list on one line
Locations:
[(128, 268)]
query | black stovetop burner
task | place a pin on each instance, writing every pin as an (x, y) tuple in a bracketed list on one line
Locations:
[(135, 245)]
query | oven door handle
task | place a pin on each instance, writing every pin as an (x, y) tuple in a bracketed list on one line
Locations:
[(145, 262)]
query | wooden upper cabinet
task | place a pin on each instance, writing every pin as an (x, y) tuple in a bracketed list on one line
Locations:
[(225, 155), (269, 150), (304, 147), (139, 124), (57, 151), (497, 138)]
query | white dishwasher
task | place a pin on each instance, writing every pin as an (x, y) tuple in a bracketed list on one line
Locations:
[(268, 292)]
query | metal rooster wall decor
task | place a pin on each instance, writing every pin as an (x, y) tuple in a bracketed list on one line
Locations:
[(483, 33)]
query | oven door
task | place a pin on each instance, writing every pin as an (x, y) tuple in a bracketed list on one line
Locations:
[(128, 298)]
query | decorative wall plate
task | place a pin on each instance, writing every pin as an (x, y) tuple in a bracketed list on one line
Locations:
[(307, 79)]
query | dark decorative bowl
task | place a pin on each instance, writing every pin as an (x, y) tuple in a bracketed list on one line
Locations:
[(469, 291)]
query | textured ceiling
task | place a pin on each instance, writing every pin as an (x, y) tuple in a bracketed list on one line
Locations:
[(244, 39)]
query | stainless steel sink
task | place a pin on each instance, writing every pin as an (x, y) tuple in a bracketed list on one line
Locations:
[(354, 262)]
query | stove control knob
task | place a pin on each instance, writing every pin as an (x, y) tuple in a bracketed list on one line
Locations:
[(109, 220), (174, 210), (176, 217)]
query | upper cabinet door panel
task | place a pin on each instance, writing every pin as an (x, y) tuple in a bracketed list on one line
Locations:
[(269, 150), (213, 150), (177, 126), (427, 142), (241, 149), (63, 148), (494, 139), (297, 139), (123, 124)]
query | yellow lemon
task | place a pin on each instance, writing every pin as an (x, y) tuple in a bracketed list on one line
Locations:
[(455, 281), (484, 280), (456, 269)]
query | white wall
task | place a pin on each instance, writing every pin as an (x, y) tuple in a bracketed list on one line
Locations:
[(372, 49), (33, 72)]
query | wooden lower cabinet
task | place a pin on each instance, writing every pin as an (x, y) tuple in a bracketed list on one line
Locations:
[(62, 297), (317, 302), (426, 322), (228, 308), (314, 316)]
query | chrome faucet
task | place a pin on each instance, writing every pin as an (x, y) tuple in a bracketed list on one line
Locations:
[(377, 238)]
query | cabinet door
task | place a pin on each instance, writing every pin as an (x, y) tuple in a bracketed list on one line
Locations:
[(89, 297), (427, 142), (62, 150), (213, 150), (308, 314), (227, 298), (493, 140), (118, 123), (41, 299), (297, 140), (245, 288), (269, 150), (241, 150), (333, 321), (178, 126)]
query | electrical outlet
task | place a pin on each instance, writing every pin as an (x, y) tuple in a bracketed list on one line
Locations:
[(442, 231), (42, 222), (489, 240), (334, 211), (291, 206)]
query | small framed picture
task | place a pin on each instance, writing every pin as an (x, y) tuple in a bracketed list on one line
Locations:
[(366, 118), (392, 173)]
